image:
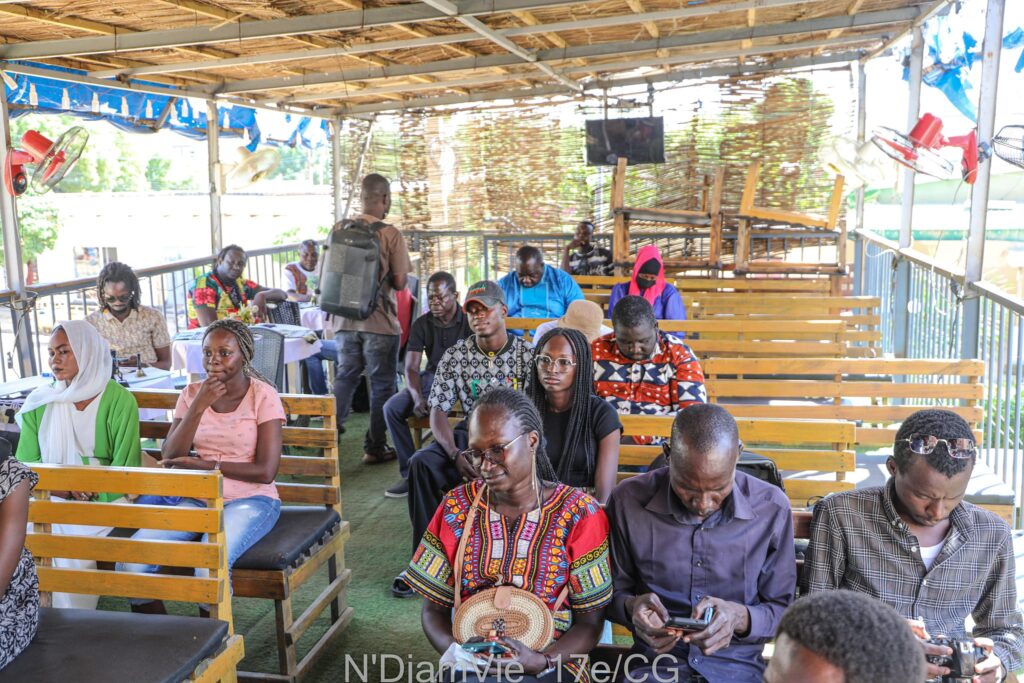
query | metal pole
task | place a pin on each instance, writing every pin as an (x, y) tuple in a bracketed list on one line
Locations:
[(357, 176), (902, 293), (992, 49), (13, 259), (859, 245), (213, 161), (336, 168)]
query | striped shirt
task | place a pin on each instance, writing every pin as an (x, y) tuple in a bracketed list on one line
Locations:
[(859, 542)]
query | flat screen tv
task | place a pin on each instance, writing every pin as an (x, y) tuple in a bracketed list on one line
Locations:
[(641, 141)]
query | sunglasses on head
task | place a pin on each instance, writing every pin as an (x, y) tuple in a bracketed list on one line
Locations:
[(494, 455), (924, 444)]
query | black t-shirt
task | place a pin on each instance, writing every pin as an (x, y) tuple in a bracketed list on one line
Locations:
[(432, 338), (604, 420)]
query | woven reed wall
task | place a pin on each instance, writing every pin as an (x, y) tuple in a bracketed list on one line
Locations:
[(523, 169)]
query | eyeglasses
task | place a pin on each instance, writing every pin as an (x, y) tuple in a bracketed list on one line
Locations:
[(563, 364), (494, 455), (923, 444), (124, 298)]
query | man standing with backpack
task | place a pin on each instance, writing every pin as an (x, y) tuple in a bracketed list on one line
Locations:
[(370, 341)]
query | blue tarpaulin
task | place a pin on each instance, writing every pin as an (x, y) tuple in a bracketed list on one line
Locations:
[(134, 112)]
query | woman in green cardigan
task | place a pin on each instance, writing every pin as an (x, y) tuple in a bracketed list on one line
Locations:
[(82, 418)]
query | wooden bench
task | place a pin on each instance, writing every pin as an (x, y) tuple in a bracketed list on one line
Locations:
[(790, 286), (860, 313), (722, 337), (755, 221), (309, 534), (876, 393), (77, 644), (801, 445)]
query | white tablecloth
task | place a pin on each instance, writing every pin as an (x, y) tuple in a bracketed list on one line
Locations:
[(154, 378), (312, 317), (187, 354)]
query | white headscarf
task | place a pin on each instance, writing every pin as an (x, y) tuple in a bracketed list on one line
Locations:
[(57, 442)]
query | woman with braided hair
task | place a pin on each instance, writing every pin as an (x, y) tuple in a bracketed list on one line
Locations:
[(582, 429), (231, 422), (528, 531)]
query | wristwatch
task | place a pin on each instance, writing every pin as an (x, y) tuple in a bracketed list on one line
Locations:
[(550, 661)]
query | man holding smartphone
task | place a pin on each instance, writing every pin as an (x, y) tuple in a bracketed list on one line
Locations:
[(698, 540)]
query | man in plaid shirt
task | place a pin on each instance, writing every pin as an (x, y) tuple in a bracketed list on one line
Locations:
[(641, 370), (917, 546)]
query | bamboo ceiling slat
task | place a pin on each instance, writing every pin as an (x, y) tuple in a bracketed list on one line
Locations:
[(154, 15)]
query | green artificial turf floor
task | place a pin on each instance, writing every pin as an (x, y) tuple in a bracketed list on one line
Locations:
[(379, 548)]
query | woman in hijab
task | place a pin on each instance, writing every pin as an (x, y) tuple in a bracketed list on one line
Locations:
[(649, 282), (82, 418)]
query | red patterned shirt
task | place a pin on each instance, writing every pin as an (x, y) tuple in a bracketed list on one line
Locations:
[(563, 543), (662, 385)]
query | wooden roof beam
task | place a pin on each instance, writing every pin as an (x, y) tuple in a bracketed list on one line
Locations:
[(885, 18), (90, 26), (637, 7)]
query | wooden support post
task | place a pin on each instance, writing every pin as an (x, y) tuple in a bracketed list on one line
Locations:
[(715, 209), (620, 237)]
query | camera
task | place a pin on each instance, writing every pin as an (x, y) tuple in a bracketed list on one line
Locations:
[(961, 663)]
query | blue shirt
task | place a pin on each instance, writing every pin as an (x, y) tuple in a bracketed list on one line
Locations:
[(742, 553), (668, 306), (547, 299)]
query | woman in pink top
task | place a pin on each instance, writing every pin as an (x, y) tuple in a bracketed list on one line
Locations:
[(229, 422)]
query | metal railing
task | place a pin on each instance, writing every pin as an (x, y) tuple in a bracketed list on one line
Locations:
[(935, 329), (164, 288)]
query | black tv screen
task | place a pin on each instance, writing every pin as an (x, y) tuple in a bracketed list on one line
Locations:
[(641, 141)]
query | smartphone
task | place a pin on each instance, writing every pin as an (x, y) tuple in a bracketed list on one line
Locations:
[(690, 625), (486, 647)]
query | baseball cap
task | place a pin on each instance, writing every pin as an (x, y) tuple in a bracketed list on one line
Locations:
[(486, 292)]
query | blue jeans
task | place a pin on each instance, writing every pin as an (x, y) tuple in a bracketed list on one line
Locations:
[(246, 521), (315, 366), (378, 355), (397, 410)]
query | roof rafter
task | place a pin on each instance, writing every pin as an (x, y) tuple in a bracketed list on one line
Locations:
[(533, 27), (333, 21), (90, 26), (598, 86), (707, 38), (452, 10), (690, 57)]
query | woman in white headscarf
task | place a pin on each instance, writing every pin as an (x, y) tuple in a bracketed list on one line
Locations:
[(82, 418)]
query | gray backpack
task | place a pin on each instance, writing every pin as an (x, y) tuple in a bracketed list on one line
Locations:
[(351, 278)]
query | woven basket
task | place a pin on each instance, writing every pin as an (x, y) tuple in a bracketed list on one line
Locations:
[(526, 617)]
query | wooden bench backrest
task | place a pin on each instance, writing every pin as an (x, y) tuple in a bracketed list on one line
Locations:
[(726, 337), (794, 286), (793, 444), (306, 479), (210, 554), (878, 393)]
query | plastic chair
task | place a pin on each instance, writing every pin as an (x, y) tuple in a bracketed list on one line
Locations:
[(268, 359), (284, 313)]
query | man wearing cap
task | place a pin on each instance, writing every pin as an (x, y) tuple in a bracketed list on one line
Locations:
[(582, 315), (489, 357), (536, 290)]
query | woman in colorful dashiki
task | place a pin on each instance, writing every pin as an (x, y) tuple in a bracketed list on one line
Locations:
[(532, 532), (581, 429), (223, 291)]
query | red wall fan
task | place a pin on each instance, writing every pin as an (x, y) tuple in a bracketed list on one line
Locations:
[(919, 151), (52, 160)]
